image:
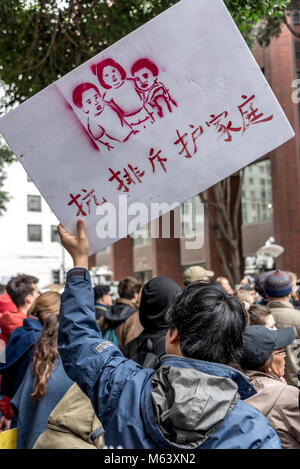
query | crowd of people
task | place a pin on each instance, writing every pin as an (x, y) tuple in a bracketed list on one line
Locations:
[(206, 365)]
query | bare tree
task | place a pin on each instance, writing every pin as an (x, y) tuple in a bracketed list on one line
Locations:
[(222, 208)]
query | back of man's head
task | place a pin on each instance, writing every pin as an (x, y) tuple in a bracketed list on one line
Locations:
[(128, 286), (210, 323), (19, 287)]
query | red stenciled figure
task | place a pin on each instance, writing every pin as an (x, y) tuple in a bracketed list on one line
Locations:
[(223, 129), (158, 158), (121, 93), (183, 140), (156, 97), (249, 114), (104, 123), (88, 197)]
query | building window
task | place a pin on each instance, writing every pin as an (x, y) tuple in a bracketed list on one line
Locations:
[(297, 49), (296, 16), (251, 181), (192, 217), (34, 203), (55, 276), (257, 204), (142, 237), (34, 232), (54, 234)]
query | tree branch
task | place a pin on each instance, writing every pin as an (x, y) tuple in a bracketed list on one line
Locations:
[(41, 62), (295, 33)]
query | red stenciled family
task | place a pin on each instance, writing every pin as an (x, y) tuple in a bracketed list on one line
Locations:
[(127, 105)]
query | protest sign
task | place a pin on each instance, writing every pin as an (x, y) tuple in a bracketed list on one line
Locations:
[(8, 439), (160, 116)]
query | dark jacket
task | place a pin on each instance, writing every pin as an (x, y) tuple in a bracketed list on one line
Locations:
[(186, 403), (18, 354), (157, 296), (32, 414)]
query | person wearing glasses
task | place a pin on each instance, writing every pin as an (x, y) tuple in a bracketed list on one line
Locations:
[(264, 361)]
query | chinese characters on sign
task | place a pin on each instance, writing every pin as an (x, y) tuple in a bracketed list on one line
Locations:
[(249, 114), (188, 147)]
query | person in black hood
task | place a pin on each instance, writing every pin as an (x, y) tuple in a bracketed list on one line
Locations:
[(157, 296)]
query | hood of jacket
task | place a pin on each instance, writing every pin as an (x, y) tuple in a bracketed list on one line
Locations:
[(65, 424), (157, 296), (188, 404), (6, 304), (119, 312), (21, 340)]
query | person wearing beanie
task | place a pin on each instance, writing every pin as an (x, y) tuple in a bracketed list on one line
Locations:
[(157, 296), (263, 362), (277, 290)]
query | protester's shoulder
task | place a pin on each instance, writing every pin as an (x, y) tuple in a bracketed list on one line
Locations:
[(134, 319), (286, 316), (246, 412), (254, 426)]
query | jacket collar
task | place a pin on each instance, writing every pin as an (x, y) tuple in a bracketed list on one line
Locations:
[(245, 389)]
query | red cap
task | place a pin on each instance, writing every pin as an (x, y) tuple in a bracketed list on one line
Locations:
[(6, 304)]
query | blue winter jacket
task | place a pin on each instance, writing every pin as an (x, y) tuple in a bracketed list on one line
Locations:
[(186, 403)]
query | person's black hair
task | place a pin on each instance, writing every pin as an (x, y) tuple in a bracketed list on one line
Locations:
[(210, 323), (19, 287), (100, 290)]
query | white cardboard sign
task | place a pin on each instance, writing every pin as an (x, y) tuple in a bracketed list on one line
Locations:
[(163, 114)]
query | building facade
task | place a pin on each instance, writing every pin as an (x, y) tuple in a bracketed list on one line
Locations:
[(28, 235)]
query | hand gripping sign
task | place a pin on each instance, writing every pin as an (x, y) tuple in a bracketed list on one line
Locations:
[(160, 116)]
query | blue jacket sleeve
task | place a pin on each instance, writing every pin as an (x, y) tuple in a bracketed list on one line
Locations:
[(96, 365)]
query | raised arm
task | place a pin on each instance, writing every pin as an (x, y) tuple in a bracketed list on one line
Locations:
[(93, 363)]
